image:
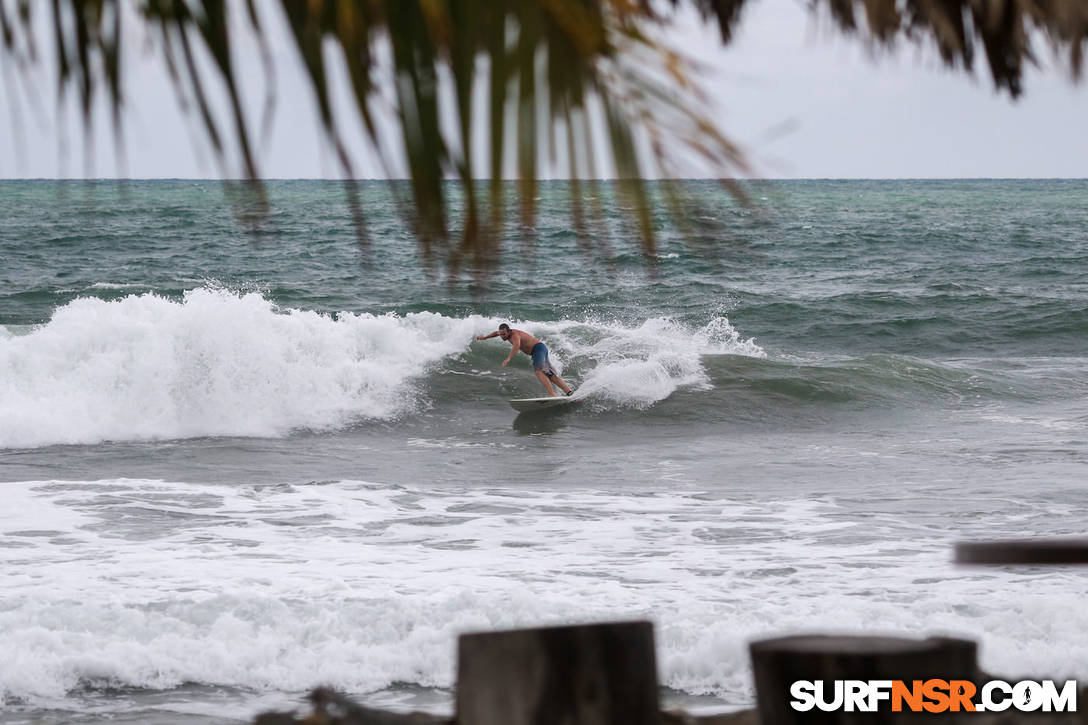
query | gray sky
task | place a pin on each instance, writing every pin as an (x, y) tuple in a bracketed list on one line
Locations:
[(802, 100)]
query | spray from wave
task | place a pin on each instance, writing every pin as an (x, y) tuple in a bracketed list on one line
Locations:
[(639, 366)]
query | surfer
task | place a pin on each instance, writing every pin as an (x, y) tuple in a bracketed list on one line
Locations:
[(534, 348)]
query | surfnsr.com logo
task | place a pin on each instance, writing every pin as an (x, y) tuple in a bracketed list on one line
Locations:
[(933, 696)]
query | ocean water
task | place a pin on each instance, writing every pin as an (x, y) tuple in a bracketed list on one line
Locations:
[(234, 466)]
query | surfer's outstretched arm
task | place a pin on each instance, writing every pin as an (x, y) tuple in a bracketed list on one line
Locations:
[(484, 337)]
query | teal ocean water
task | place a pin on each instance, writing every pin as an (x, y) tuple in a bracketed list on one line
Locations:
[(236, 466)]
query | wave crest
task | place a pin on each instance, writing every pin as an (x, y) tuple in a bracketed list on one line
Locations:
[(214, 363)]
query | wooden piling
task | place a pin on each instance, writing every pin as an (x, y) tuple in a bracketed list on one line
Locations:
[(1025, 551), (599, 674)]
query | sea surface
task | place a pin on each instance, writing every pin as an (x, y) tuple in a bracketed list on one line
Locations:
[(237, 464)]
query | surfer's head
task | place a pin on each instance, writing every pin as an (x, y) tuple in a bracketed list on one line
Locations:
[(504, 331)]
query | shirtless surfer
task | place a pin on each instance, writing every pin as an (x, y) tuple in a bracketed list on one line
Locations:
[(534, 348)]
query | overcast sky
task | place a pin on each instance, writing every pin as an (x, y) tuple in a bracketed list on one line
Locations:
[(802, 100)]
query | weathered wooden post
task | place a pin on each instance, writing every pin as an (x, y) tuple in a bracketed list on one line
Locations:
[(778, 663), (598, 674), (1046, 552)]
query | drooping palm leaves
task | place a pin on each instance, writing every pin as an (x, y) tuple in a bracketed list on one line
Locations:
[(559, 80), (1002, 27)]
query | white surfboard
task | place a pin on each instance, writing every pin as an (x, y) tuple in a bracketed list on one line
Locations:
[(525, 405)]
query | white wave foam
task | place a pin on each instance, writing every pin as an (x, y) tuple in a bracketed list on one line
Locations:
[(1049, 423), (214, 363), (118, 285), (281, 587)]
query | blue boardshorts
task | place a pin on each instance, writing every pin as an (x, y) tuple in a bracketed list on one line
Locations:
[(540, 359)]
